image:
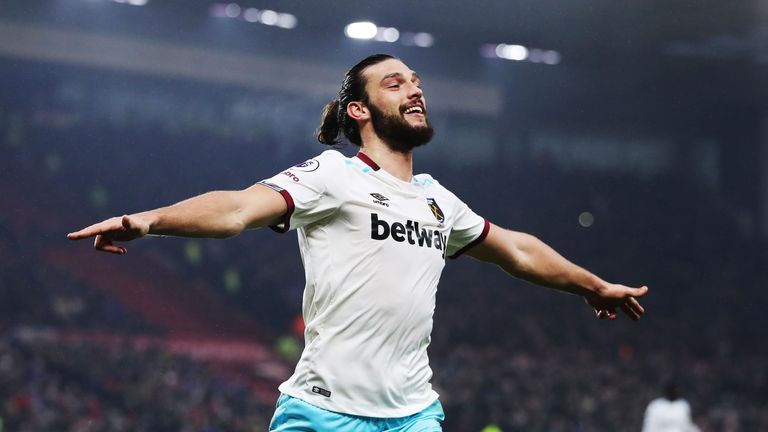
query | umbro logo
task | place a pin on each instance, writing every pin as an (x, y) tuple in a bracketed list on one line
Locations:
[(379, 199)]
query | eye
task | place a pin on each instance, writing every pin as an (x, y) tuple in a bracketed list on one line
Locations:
[(394, 86)]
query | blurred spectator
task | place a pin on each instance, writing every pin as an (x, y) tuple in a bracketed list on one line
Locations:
[(670, 413)]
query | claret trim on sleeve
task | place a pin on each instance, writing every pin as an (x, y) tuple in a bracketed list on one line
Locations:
[(286, 223), (475, 242)]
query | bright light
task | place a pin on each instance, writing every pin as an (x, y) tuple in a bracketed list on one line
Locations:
[(423, 40), (586, 219), (521, 53), (361, 30), (251, 15), (286, 21), (269, 17), (232, 10), (512, 52), (132, 2), (387, 34), (551, 57)]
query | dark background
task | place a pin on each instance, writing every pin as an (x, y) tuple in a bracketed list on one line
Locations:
[(641, 155)]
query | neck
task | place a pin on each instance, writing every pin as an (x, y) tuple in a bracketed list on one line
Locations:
[(397, 163)]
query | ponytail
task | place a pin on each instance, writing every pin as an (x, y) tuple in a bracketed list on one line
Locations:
[(328, 132)]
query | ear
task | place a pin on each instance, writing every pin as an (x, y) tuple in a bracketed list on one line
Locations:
[(358, 111)]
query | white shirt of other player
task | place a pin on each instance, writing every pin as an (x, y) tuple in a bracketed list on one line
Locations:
[(373, 247), (664, 415)]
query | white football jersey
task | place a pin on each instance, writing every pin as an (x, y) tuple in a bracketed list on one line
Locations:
[(373, 247), (664, 415)]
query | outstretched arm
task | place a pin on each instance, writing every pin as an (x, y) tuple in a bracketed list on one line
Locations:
[(217, 214), (528, 258)]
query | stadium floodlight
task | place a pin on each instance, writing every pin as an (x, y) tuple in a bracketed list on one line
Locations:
[(387, 34), (586, 219), (251, 15), (520, 53), (361, 30), (132, 2), (269, 17), (286, 20), (232, 10), (551, 57), (512, 52), (424, 40)]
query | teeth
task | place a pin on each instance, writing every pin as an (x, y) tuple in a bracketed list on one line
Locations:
[(414, 109)]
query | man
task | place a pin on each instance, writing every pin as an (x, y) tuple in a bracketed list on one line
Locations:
[(670, 413), (373, 239)]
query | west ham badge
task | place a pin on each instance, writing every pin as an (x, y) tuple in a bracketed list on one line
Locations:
[(436, 210)]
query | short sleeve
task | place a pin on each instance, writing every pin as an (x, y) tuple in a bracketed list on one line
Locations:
[(468, 230), (307, 190)]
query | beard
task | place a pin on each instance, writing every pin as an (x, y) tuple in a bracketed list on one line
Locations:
[(395, 130)]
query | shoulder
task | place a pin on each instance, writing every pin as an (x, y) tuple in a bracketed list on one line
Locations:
[(433, 187), (425, 179), (328, 157), (657, 404), (326, 163)]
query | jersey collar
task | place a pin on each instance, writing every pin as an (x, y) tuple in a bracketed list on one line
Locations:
[(368, 161)]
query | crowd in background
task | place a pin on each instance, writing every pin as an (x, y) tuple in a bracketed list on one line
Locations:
[(39, 295), (47, 386), (504, 353)]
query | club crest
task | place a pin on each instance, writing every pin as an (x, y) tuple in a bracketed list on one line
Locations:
[(436, 210)]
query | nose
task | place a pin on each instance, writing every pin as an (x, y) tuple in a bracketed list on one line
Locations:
[(415, 92)]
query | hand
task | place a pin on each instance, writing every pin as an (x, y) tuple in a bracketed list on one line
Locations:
[(120, 228), (613, 296)]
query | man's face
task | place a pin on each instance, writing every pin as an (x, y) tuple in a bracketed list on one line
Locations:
[(397, 105)]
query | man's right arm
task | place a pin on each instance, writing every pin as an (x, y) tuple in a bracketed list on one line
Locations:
[(217, 214)]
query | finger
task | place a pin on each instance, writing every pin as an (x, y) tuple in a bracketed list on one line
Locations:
[(638, 292), (634, 316), (84, 233), (635, 305), (104, 244), (95, 229)]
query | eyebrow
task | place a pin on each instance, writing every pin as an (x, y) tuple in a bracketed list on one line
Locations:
[(414, 76)]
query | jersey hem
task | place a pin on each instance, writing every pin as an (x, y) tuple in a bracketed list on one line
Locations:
[(473, 243), (390, 414)]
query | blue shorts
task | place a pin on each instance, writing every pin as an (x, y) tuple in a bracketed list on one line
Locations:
[(294, 415)]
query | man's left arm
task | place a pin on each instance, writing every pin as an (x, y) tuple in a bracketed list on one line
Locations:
[(528, 258)]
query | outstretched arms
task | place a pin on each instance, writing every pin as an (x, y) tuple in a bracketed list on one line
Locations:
[(217, 214), (528, 258)]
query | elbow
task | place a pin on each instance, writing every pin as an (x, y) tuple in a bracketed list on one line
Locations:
[(229, 230), (234, 231)]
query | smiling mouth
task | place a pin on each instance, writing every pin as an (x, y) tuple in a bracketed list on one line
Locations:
[(414, 110)]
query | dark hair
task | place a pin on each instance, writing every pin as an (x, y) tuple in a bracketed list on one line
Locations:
[(671, 390), (335, 117)]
